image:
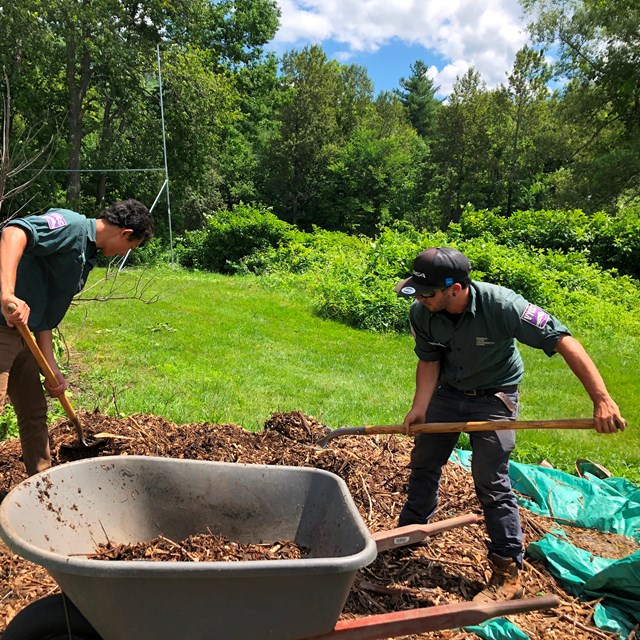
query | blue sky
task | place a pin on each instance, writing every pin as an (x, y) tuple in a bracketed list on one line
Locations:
[(389, 63), (387, 36)]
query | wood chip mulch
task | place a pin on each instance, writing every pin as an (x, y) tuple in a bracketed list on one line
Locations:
[(448, 568), (201, 547)]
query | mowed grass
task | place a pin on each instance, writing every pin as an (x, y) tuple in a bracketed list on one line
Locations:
[(224, 349)]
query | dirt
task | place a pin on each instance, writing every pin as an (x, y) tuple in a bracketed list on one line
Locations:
[(448, 568)]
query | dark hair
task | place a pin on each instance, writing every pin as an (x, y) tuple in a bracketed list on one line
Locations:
[(130, 214)]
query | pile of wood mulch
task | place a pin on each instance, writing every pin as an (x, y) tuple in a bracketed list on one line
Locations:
[(448, 568), (201, 547)]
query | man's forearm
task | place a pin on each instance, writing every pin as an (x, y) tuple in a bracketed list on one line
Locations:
[(427, 374), (606, 413), (45, 342), (583, 367)]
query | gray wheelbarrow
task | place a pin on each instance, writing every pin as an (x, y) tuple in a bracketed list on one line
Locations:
[(58, 517)]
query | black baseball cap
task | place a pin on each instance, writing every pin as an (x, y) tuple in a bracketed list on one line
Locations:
[(435, 268)]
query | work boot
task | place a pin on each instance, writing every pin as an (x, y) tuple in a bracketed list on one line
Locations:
[(504, 583)]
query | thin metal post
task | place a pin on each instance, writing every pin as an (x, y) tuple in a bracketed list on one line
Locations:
[(164, 150)]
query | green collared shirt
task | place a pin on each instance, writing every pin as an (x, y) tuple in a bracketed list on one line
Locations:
[(479, 351), (61, 251)]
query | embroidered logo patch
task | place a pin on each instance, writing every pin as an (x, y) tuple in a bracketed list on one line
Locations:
[(55, 220), (535, 316), (481, 341), (408, 291)]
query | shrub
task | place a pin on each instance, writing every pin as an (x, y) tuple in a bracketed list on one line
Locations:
[(610, 242), (8, 423), (230, 236)]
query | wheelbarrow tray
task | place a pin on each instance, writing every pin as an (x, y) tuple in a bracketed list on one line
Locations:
[(59, 516)]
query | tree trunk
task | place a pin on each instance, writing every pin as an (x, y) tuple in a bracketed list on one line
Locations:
[(514, 157), (106, 138), (77, 88), (6, 126)]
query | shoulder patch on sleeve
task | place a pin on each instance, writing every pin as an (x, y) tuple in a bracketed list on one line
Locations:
[(536, 316), (55, 220)]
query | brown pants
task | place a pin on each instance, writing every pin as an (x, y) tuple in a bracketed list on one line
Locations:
[(20, 378)]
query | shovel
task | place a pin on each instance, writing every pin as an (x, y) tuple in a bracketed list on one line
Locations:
[(82, 446), (456, 427)]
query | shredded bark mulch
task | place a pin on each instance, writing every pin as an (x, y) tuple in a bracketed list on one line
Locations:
[(201, 547), (447, 568)]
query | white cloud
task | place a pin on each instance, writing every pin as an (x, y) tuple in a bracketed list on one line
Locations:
[(484, 34)]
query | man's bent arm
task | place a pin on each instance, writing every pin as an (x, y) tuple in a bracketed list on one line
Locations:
[(606, 413), (427, 374), (13, 242)]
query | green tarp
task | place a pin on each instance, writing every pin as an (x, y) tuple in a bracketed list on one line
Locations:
[(611, 505), (617, 582)]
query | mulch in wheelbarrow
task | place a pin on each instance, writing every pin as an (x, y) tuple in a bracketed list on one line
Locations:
[(450, 567), (202, 547)]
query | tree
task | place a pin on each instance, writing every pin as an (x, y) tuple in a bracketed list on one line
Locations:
[(308, 133), (462, 145), (18, 153), (527, 91), (372, 179), (91, 61), (355, 96), (417, 94), (599, 49)]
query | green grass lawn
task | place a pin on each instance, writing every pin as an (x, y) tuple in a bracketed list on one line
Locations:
[(225, 349)]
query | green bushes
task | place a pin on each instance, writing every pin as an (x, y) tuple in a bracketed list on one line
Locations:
[(230, 236), (351, 278), (611, 242), (8, 423)]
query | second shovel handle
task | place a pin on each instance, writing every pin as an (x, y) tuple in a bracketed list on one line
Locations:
[(45, 367), (485, 425)]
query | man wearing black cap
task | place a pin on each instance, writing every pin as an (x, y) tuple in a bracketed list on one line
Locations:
[(469, 369)]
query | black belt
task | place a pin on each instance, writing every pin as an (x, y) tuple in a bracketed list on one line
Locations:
[(481, 392)]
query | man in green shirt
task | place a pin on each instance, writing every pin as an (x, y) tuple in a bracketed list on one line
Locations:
[(44, 262), (469, 369)]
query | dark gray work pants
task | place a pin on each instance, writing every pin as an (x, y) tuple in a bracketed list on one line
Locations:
[(489, 466), (20, 378)]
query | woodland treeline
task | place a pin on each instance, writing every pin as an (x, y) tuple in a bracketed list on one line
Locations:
[(305, 135)]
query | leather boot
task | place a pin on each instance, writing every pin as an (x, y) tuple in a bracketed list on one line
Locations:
[(504, 583)]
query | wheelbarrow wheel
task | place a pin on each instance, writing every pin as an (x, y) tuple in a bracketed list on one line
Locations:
[(52, 618)]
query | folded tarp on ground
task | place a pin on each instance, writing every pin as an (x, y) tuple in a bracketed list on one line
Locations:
[(611, 505)]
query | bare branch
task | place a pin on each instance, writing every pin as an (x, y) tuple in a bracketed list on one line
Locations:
[(114, 287), (13, 163)]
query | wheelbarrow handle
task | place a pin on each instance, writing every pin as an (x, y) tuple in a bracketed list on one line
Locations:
[(410, 534), (48, 373), (426, 619)]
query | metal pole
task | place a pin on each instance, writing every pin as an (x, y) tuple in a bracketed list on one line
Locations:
[(164, 150)]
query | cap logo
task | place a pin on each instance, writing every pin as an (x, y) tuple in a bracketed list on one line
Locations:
[(419, 274), (408, 291), (448, 281)]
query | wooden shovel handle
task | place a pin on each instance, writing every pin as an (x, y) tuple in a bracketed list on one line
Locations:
[(46, 369), (456, 427), (485, 425)]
